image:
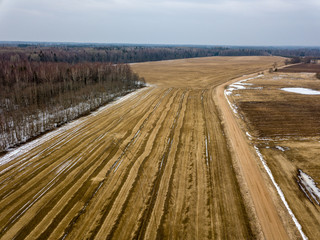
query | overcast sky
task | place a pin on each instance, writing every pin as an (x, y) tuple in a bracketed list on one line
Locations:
[(214, 22)]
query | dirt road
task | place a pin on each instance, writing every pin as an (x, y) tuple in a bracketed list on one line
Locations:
[(270, 221), (284, 128), (153, 166)]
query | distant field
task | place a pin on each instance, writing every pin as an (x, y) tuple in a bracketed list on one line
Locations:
[(312, 68), (285, 127), (155, 165)]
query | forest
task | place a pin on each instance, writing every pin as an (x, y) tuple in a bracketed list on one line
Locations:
[(75, 53), (44, 85), (36, 97)]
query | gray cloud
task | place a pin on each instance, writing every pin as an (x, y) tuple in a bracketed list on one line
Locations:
[(234, 22)]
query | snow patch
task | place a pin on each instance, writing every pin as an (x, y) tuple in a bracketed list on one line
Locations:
[(266, 139), (295, 220), (249, 135), (240, 85), (309, 187), (207, 154), (305, 91), (256, 88), (237, 86), (280, 148), (16, 152), (233, 106)]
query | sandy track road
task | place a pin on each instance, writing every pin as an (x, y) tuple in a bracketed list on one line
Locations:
[(267, 213), (155, 165)]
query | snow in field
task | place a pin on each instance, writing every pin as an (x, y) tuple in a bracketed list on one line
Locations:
[(249, 135), (280, 148), (16, 152), (240, 85), (308, 185), (233, 106), (266, 167), (305, 91)]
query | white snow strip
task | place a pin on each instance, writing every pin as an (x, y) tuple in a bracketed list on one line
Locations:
[(237, 86), (63, 166), (118, 166), (136, 133), (240, 85), (33, 144), (227, 92), (295, 220), (305, 91), (233, 107), (249, 135), (280, 148), (255, 88), (309, 185), (161, 162), (28, 146), (207, 151), (266, 139)]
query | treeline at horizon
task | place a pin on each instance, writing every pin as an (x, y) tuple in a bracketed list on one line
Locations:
[(36, 97), (130, 53)]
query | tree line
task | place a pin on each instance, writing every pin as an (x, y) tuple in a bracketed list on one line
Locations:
[(115, 54), (36, 97), (129, 53)]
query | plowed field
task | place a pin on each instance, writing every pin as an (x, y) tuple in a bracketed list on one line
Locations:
[(155, 165), (302, 67)]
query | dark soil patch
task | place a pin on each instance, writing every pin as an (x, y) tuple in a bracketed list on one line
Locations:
[(282, 118), (303, 67)]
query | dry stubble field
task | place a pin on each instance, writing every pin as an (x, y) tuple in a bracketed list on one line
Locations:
[(285, 127), (153, 166)]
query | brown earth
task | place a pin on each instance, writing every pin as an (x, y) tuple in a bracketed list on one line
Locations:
[(303, 67), (285, 128), (154, 166)]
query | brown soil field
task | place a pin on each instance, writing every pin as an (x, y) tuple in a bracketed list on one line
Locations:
[(303, 67), (156, 165), (285, 128)]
